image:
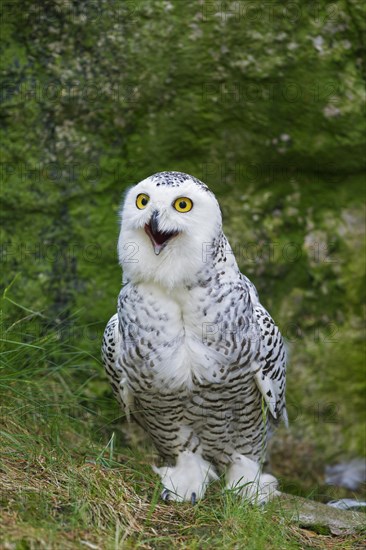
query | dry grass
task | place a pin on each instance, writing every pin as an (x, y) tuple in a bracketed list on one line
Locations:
[(68, 479), (58, 498)]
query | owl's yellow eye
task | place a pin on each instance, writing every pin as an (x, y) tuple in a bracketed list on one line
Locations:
[(142, 201), (183, 204)]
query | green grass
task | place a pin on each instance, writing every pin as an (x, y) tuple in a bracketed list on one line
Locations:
[(72, 477)]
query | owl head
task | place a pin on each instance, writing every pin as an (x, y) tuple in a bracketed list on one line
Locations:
[(169, 223)]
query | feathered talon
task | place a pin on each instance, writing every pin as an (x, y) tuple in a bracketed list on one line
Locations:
[(165, 495), (193, 499)]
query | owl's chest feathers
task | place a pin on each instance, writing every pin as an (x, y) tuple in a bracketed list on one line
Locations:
[(186, 337)]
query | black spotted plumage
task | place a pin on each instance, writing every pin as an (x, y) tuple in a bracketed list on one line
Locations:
[(200, 367), (175, 179)]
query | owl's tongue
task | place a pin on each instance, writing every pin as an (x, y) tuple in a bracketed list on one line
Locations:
[(158, 238)]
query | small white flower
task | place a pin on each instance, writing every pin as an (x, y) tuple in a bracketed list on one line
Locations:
[(331, 111), (318, 42)]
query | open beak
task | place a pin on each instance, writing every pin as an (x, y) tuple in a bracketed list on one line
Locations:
[(159, 239)]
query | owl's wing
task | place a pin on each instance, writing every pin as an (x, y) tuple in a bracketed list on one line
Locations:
[(112, 340), (270, 366)]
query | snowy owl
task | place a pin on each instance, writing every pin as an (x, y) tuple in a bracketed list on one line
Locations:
[(191, 353)]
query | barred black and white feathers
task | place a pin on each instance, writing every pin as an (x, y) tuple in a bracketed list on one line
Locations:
[(191, 354)]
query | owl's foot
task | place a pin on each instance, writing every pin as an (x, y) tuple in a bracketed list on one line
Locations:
[(244, 477), (165, 495), (187, 480)]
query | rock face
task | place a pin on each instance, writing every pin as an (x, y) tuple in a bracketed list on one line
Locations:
[(262, 101), (322, 518)]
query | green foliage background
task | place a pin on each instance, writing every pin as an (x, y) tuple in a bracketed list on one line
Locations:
[(262, 101)]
